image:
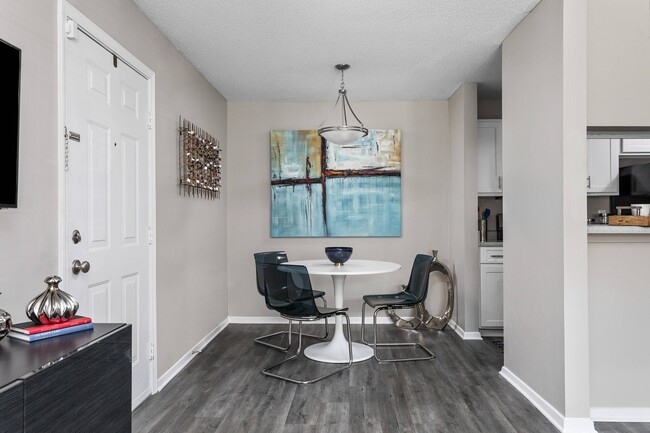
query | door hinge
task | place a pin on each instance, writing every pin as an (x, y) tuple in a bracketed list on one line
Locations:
[(150, 121), (152, 352), (150, 236)]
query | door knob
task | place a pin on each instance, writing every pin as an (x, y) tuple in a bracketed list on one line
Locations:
[(78, 266)]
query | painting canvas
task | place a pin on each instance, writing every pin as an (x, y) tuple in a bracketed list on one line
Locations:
[(323, 189)]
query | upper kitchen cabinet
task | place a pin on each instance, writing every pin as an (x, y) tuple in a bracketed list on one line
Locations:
[(490, 176), (602, 166), (618, 63), (635, 147)]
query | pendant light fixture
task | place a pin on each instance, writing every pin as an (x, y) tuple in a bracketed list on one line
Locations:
[(344, 133)]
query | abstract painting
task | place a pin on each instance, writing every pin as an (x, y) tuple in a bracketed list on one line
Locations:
[(323, 189)]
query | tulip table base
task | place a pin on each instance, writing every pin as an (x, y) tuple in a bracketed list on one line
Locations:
[(336, 350)]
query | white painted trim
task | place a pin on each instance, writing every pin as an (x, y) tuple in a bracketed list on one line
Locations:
[(153, 263), (565, 425), (270, 320), (141, 398), (185, 359), (462, 334), (620, 414), (552, 414), (60, 118), (65, 9), (579, 425)]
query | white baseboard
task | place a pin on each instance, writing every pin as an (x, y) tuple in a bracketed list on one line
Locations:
[(565, 425), (140, 399), (354, 320), (185, 359), (579, 425), (552, 414), (462, 334), (620, 414)]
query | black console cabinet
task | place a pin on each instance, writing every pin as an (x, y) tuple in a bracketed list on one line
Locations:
[(77, 382)]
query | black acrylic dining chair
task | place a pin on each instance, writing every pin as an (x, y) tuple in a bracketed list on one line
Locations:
[(276, 257), (414, 293), (288, 291)]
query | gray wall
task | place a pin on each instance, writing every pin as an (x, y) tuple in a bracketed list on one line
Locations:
[(545, 276), (425, 195), (191, 233), (618, 95), (28, 234), (532, 149), (618, 288), (463, 205), (618, 62)]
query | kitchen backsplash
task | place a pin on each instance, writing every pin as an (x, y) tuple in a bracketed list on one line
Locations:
[(495, 204)]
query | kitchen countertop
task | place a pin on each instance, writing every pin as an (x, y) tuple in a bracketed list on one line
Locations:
[(607, 229)]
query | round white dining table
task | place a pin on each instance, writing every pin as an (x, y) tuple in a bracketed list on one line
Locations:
[(336, 350)]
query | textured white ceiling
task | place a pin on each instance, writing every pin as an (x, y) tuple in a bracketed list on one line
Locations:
[(285, 50)]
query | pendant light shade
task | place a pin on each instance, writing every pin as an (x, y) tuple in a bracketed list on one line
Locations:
[(342, 133)]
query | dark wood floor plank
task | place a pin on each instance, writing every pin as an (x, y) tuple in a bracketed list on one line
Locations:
[(222, 390)]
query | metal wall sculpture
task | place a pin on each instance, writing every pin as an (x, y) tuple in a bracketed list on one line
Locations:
[(199, 161), (422, 316), (323, 189)]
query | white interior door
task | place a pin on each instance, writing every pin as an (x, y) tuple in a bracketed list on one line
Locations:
[(107, 194)]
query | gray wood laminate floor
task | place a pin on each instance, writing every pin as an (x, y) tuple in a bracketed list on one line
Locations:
[(223, 391)]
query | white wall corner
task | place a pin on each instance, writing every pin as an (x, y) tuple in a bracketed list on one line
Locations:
[(620, 414), (578, 425), (463, 334), (552, 414), (166, 377)]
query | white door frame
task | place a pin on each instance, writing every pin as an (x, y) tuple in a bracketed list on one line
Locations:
[(65, 10)]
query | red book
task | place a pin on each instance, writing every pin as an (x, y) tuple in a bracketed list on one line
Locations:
[(30, 328)]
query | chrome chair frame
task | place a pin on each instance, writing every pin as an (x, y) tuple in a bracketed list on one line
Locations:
[(267, 370), (409, 303), (289, 333), (374, 345), (288, 291)]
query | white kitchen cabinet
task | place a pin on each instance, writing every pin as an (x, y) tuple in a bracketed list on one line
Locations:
[(491, 312), (602, 166), (490, 176), (635, 146)]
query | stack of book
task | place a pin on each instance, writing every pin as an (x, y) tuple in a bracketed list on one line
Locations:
[(28, 331)]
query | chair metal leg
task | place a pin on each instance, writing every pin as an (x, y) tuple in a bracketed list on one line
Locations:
[(376, 345), (363, 324), (260, 340), (324, 337), (267, 371)]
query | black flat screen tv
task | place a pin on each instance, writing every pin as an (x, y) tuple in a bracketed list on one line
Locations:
[(10, 91)]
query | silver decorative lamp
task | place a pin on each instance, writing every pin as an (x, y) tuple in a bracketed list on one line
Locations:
[(344, 133)]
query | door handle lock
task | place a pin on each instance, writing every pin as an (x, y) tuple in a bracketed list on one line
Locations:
[(78, 266)]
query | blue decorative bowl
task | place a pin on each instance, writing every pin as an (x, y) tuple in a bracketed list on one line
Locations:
[(338, 255)]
